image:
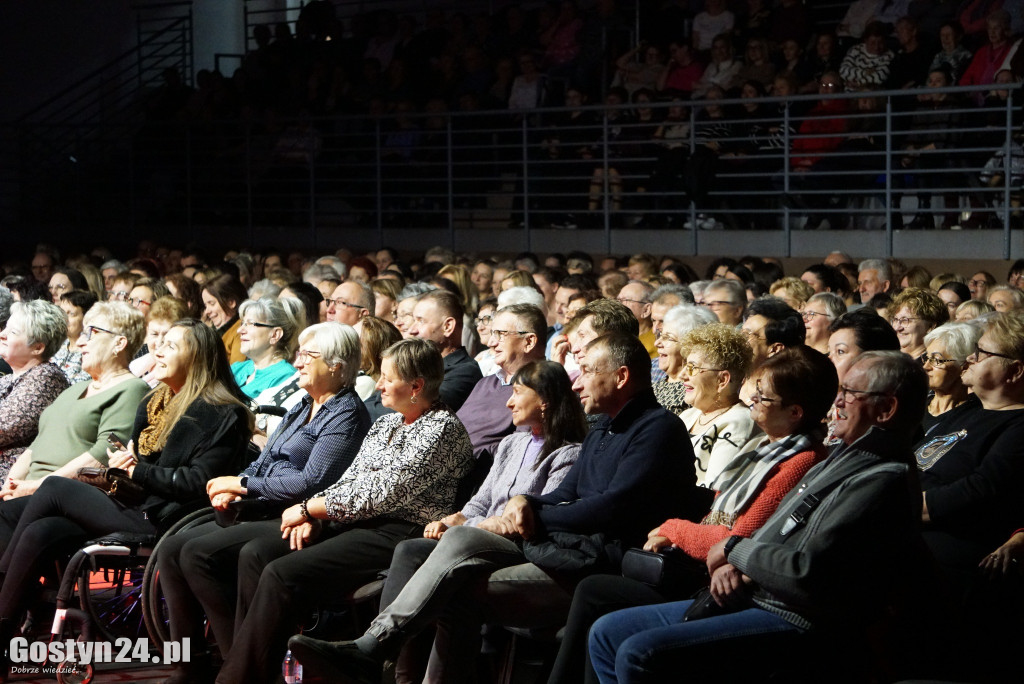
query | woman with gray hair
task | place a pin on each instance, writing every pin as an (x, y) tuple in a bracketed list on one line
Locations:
[(818, 313), (312, 448), (946, 350), (34, 332), (679, 320)]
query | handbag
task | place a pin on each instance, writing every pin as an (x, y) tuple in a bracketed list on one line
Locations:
[(670, 570), (117, 483)]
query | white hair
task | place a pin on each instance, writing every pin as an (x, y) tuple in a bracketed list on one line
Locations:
[(521, 295)]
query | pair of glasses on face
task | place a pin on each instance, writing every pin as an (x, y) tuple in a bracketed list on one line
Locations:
[(979, 352), (304, 355), (759, 397), (118, 296), (138, 301), (904, 320), (808, 316), (90, 330), (503, 335), (342, 302), (936, 361), (254, 324), (54, 289), (483, 320), (693, 369), (851, 395)]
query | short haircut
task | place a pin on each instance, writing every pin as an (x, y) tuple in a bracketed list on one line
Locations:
[(672, 295), (959, 289), (647, 288), (1015, 294), (733, 290), (870, 331), (45, 322), (529, 318), (683, 318), (167, 309), (286, 314), (975, 307), (626, 350), (414, 290), (796, 288), (923, 303), (608, 316), (897, 374), (803, 376), (578, 281), (960, 339), (611, 282), (339, 346), (646, 261), (785, 324), (83, 299), (1007, 331), (446, 302), (832, 278), (74, 276), (880, 265), (834, 304), (264, 288), (723, 347), (121, 319), (375, 335), (415, 358), (521, 295), (366, 298)]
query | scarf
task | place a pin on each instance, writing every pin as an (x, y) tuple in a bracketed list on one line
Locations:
[(156, 417), (744, 476)]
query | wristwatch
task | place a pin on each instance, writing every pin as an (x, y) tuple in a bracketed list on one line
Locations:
[(244, 481), (730, 543)]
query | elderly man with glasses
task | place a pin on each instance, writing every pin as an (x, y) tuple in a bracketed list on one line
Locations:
[(349, 302)]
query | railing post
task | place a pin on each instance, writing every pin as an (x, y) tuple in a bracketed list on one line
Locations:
[(889, 218), (380, 181), (451, 186), (526, 180), (1007, 173)]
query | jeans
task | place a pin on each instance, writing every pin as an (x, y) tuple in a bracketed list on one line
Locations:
[(653, 644)]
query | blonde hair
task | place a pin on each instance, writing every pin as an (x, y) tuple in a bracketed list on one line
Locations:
[(922, 303), (1007, 330), (724, 347), (459, 274), (124, 320), (415, 358), (797, 289)]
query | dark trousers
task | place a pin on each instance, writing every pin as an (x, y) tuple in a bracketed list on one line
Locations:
[(277, 588), (409, 556), (61, 514), (595, 596), (10, 514)]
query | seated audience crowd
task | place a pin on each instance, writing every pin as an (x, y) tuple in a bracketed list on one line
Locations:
[(661, 464)]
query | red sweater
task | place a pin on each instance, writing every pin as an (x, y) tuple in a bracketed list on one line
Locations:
[(828, 118), (695, 539)]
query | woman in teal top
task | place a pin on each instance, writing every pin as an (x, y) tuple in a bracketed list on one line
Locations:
[(269, 333)]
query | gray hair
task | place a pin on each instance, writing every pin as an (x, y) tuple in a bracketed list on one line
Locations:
[(318, 272), (880, 265), (366, 297), (521, 295), (669, 291), (959, 338), (264, 288), (415, 290), (339, 346), (834, 304), (683, 318), (44, 322), (115, 264), (733, 289), (284, 313), (897, 374), (1015, 294), (697, 288), (646, 287), (335, 263), (124, 319), (6, 299)]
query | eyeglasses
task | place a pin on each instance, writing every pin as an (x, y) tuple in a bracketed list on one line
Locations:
[(623, 300), (60, 287), (851, 395), (755, 334), (978, 351), (503, 334), (89, 330), (304, 355), (342, 302), (936, 361), (692, 369), (759, 398), (483, 320), (715, 303), (252, 324), (138, 301), (905, 320), (828, 84), (809, 315), (118, 296), (669, 337), (977, 283)]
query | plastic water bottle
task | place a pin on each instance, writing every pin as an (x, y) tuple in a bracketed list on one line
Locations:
[(291, 669)]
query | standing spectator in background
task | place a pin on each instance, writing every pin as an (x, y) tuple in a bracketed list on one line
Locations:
[(714, 21), (953, 54), (867, 63)]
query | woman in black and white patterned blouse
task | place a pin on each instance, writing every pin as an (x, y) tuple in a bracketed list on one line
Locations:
[(405, 475)]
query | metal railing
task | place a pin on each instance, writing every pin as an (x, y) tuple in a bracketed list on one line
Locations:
[(527, 171)]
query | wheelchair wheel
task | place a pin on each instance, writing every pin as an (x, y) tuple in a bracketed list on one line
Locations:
[(154, 609), (74, 673), (111, 593)]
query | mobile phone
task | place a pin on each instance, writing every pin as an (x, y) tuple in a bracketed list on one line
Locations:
[(115, 442)]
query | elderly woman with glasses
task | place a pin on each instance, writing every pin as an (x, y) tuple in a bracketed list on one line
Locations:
[(818, 313), (718, 358), (34, 331), (73, 430), (679, 320), (914, 312), (945, 359), (970, 463)]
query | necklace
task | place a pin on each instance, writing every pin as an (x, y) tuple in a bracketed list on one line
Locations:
[(708, 417)]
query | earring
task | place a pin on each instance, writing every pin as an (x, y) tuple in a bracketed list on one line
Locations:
[(413, 400)]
